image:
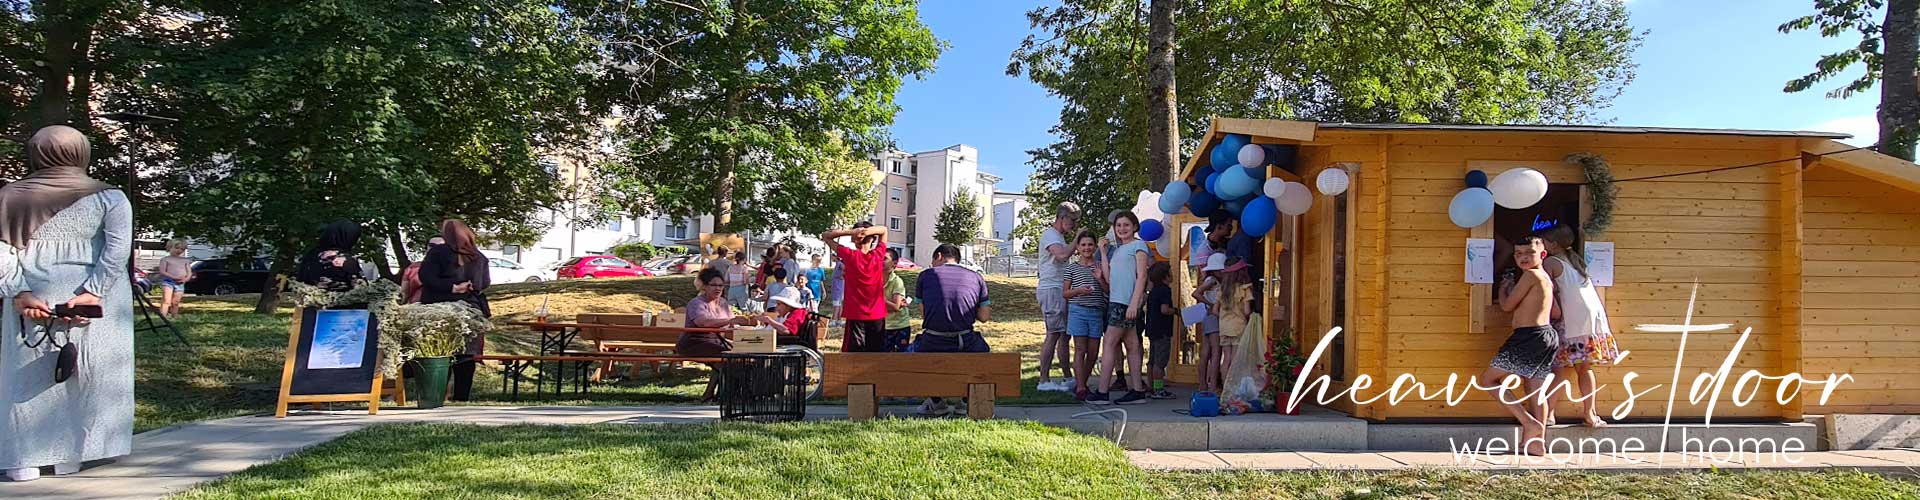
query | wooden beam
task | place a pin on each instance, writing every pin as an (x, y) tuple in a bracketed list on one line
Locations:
[(1200, 157), (1268, 131), (1381, 186), (1862, 162), (980, 401), (1792, 270), (862, 404)]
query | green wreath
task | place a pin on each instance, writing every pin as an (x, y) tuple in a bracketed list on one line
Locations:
[(1600, 192)]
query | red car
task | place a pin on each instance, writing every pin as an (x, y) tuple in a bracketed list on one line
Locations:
[(599, 266)]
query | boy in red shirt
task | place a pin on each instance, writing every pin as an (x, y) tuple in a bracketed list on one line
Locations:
[(864, 266)]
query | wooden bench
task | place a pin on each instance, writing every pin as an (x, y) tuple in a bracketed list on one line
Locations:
[(619, 342), (864, 377), (515, 366)]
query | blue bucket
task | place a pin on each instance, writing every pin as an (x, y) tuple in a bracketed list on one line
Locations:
[(1204, 404)]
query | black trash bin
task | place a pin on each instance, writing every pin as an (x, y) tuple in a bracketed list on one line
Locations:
[(763, 387)]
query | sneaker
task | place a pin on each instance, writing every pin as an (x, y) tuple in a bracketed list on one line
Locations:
[(1161, 394), (23, 474), (1099, 398), (1047, 386), (929, 408), (959, 410), (1131, 398)]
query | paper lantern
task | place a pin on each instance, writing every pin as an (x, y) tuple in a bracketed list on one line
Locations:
[(1471, 207), (1296, 200), (1259, 216), (1151, 230), (1173, 199), (1252, 155), (1203, 204), (1332, 181), (1476, 178), (1236, 183), (1518, 188)]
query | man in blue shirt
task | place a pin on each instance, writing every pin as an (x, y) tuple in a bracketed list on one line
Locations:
[(952, 298)]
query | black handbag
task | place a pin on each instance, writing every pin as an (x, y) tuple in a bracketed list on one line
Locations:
[(68, 362)]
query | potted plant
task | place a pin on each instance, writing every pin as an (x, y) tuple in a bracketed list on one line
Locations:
[(1284, 364), (430, 334)]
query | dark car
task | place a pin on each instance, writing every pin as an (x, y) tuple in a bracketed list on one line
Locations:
[(229, 276)]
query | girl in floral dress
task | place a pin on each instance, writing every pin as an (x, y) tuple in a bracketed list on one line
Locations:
[(1585, 338)]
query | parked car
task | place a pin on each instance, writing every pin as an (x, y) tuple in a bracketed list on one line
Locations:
[(905, 263), (225, 276), (141, 285), (599, 266), (678, 264), (507, 271)]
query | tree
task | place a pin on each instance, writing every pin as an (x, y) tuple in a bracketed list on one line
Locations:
[(1163, 110), (760, 107), (960, 219), (1555, 61), (1889, 51), (392, 113)]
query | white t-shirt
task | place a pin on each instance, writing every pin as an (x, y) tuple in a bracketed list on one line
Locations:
[(1049, 269)]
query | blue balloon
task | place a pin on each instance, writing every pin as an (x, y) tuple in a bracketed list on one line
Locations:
[(1213, 183), (1259, 216), (1175, 196), (1471, 207), (1476, 179), (1151, 230), (1203, 204), (1234, 207), (1221, 157), (1233, 143), (1236, 183)]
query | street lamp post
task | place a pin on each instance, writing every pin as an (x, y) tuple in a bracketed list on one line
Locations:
[(126, 118)]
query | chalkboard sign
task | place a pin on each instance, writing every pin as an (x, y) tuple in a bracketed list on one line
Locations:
[(333, 355)]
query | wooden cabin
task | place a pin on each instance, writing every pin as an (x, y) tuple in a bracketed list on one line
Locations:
[(1813, 244)]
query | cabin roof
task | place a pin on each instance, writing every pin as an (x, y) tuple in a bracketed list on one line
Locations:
[(1601, 129)]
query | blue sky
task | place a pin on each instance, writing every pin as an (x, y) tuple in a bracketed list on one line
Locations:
[(1704, 63)]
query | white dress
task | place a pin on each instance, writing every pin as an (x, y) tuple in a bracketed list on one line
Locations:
[(90, 416), (1584, 334)]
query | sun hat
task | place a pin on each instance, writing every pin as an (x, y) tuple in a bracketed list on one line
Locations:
[(791, 297), (1215, 262)]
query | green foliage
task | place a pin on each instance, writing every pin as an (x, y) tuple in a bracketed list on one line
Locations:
[(960, 218), (641, 251), (1601, 192), (1835, 18), (760, 111), (1364, 61), (429, 330), (393, 113)]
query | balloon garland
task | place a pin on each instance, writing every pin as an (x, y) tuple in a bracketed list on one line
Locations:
[(1600, 191)]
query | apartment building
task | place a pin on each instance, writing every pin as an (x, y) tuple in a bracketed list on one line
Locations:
[(1007, 208), (915, 186)]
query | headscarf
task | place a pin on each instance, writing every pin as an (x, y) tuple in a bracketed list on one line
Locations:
[(460, 239), (339, 237), (58, 155)]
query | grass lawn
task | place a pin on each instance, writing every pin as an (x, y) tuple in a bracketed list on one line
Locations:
[(893, 459), (235, 368)]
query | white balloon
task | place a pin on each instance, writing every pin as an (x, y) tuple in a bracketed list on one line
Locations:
[(1518, 188), (1275, 186), (1332, 181), (1471, 207), (1296, 200), (1148, 206), (1252, 155)]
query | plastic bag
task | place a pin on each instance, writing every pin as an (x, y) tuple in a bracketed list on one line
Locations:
[(1249, 375)]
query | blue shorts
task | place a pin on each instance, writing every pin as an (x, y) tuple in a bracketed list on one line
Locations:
[(177, 287), (1086, 321)]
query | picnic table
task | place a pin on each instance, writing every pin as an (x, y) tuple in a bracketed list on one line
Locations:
[(557, 338)]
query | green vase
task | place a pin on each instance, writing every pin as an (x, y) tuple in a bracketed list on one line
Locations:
[(433, 381)]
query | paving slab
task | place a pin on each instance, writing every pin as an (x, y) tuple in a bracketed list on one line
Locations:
[(1436, 459), (1360, 460), (1177, 460), (1265, 460)]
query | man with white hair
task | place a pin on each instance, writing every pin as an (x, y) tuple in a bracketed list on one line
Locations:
[(1050, 293)]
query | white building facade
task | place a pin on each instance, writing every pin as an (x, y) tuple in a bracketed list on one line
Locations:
[(915, 186)]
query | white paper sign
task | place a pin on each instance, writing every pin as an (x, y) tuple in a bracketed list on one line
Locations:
[(1600, 262), (1193, 314), (1480, 260), (339, 339)]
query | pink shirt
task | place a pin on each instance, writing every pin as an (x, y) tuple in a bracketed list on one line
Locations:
[(704, 314)]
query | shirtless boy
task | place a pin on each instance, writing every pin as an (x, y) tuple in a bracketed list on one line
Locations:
[(1529, 353)]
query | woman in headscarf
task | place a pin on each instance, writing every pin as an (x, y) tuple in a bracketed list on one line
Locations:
[(457, 272), (67, 239), (331, 265)]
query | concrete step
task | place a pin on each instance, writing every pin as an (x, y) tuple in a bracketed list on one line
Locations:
[(1156, 427), (1445, 437)]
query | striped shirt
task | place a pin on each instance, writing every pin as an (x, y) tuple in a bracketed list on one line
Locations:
[(1076, 276)]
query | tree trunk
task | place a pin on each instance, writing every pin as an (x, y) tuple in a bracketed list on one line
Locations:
[(1163, 126), (58, 30), (283, 262), (730, 164), (1899, 92), (399, 247)]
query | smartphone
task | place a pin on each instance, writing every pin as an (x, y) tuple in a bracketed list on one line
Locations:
[(65, 311)]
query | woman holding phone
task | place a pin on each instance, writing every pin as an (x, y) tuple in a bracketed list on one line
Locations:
[(457, 272)]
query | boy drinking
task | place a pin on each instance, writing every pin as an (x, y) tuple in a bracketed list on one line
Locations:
[(1529, 352)]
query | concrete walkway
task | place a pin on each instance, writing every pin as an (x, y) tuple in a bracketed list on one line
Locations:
[(1895, 462)]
